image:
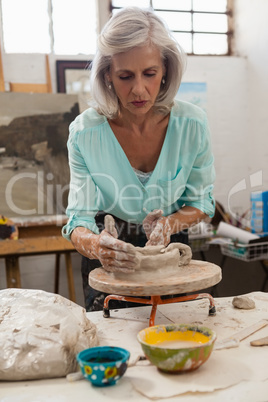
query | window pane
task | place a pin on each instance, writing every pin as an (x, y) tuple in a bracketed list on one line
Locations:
[(176, 21), (172, 4), (74, 24), (25, 26), (184, 40), (207, 16), (210, 22), (210, 44), (128, 3), (210, 5)]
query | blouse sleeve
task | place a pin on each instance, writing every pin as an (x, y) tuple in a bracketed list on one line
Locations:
[(199, 187), (82, 199)]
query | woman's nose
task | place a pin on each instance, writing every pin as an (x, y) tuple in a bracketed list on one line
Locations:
[(138, 86)]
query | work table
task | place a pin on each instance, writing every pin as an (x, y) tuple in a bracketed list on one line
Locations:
[(237, 374), (40, 237)]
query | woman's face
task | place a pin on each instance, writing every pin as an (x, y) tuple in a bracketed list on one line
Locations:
[(136, 76)]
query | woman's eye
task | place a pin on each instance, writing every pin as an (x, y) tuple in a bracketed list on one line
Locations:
[(150, 74), (125, 77)]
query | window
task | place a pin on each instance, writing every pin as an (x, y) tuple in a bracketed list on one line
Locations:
[(200, 26), (49, 26), (74, 26), (70, 27), (27, 29)]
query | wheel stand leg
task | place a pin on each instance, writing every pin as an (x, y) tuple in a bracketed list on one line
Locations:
[(106, 311), (212, 307), (155, 300)]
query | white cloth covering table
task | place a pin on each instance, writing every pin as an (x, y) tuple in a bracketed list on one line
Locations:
[(237, 374)]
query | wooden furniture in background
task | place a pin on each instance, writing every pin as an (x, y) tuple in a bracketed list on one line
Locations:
[(25, 87), (2, 82), (38, 238), (35, 88)]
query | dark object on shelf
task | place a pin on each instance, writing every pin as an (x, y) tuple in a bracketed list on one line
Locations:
[(258, 247)]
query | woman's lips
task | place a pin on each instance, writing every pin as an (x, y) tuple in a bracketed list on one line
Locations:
[(139, 103)]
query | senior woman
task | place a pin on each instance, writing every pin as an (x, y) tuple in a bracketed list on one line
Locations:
[(137, 153)]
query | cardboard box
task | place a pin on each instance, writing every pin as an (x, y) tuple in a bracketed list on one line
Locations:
[(259, 212)]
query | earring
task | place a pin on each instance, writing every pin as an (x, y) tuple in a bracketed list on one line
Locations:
[(163, 81), (110, 86)]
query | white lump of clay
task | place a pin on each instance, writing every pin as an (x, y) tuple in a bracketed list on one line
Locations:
[(243, 302), (41, 334)]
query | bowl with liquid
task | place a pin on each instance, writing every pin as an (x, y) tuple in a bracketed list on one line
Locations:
[(178, 347), (103, 365)]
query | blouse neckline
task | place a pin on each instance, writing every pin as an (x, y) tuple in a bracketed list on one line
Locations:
[(153, 172)]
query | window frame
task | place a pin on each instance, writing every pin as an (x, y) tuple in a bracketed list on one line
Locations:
[(229, 33), (102, 16), (103, 13)]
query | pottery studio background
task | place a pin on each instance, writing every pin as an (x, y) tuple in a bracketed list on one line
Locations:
[(234, 89)]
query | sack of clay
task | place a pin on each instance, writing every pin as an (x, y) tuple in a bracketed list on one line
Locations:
[(41, 334)]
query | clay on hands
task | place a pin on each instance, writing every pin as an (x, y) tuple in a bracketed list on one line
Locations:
[(141, 258), (150, 221), (109, 225), (115, 255), (161, 233), (157, 228)]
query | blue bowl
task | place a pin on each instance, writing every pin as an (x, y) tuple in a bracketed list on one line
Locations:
[(103, 365)]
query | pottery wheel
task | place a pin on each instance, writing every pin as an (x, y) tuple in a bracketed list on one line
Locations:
[(195, 276)]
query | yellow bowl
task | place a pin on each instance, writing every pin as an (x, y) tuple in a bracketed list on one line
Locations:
[(178, 347)]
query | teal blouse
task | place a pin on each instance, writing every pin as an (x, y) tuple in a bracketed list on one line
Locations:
[(102, 178)]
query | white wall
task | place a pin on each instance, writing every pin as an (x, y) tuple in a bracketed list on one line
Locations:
[(252, 42), (226, 79)]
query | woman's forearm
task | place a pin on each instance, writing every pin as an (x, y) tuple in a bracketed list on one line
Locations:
[(184, 218), (84, 240)]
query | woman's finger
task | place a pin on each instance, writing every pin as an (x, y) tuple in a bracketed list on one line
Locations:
[(111, 243), (150, 221), (109, 225)]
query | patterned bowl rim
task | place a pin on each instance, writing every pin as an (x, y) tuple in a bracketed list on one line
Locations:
[(188, 327), (124, 353)]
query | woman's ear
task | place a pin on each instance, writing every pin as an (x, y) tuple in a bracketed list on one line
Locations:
[(107, 77), (164, 68)]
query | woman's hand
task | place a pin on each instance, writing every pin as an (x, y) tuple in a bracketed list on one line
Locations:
[(161, 233), (114, 255), (157, 228), (150, 221)]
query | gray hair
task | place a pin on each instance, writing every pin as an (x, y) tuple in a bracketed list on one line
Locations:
[(132, 27)]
